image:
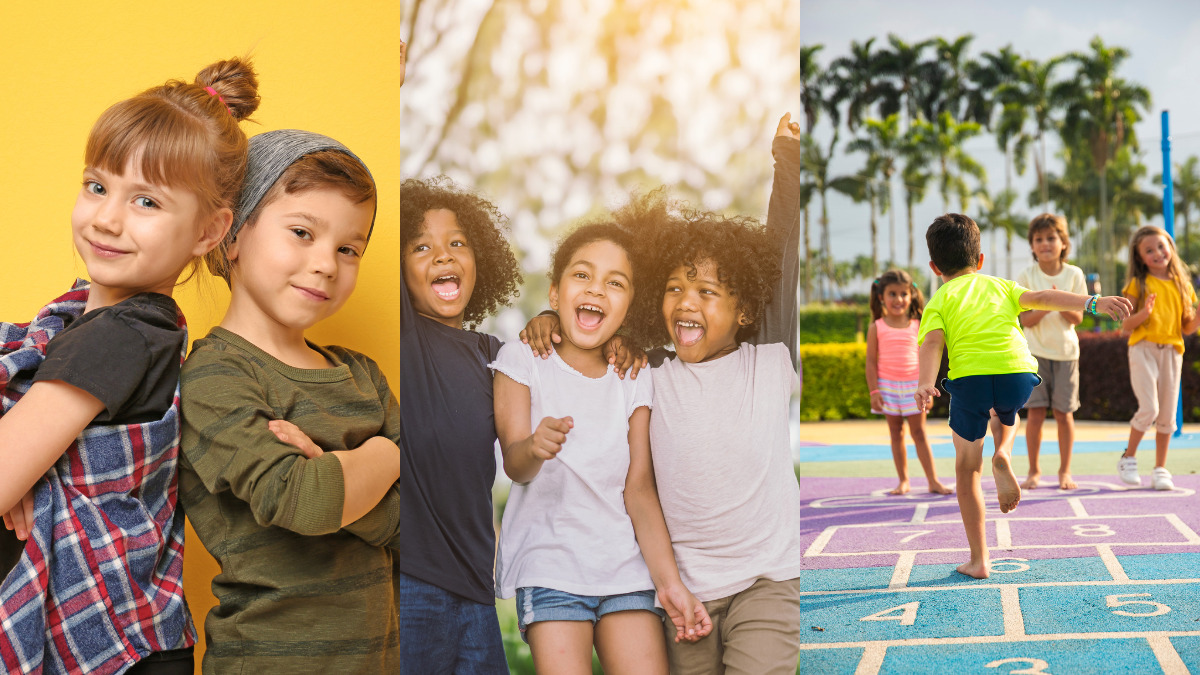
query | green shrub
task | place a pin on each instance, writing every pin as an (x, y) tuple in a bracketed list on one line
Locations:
[(820, 324), (835, 385)]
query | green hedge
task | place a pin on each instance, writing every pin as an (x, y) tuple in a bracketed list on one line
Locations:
[(835, 384), (821, 324)]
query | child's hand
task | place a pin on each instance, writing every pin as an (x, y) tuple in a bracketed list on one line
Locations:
[(877, 401), (787, 127), (925, 395), (289, 433), (686, 612), (20, 518), (624, 357), (541, 334), (1119, 307), (549, 436)]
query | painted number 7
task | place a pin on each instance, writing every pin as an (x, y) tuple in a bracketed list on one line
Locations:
[(912, 534), (1116, 601)]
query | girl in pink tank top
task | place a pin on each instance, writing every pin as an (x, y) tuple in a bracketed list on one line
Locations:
[(896, 304)]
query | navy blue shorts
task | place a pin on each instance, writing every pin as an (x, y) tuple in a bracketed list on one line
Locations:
[(974, 396)]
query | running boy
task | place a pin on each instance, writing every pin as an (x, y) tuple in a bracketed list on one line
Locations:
[(991, 370)]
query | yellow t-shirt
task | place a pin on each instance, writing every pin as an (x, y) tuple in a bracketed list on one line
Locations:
[(978, 314), (1164, 326)]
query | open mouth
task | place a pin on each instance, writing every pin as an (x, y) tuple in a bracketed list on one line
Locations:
[(688, 333), (447, 287), (589, 317)]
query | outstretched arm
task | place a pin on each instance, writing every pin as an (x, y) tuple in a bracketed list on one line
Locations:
[(1054, 300), (783, 223)]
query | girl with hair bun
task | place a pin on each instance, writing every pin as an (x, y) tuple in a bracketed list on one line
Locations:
[(89, 436)]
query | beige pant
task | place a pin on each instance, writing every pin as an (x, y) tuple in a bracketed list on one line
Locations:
[(755, 632), (1154, 371)]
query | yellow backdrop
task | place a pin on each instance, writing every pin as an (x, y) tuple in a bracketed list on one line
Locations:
[(323, 66)]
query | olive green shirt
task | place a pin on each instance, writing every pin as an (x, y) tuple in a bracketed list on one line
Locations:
[(297, 593)]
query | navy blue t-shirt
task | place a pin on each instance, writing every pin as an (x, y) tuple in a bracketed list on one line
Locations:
[(447, 454)]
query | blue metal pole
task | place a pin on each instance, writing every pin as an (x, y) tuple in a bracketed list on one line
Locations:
[(1169, 221)]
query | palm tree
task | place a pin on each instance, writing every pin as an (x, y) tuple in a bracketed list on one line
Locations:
[(944, 79), (1186, 191), (945, 140), (1028, 100), (855, 81), (997, 216), (882, 143), (1101, 112), (987, 76), (861, 187), (815, 163), (811, 102), (901, 65), (915, 177)]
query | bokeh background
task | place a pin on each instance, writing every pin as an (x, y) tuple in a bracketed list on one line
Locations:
[(557, 109), (320, 67)]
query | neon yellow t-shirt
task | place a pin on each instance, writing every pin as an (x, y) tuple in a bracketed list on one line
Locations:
[(1164, 326), (978, 314)]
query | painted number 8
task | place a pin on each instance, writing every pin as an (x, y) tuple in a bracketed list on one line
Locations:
[(1093, 530), (1036, 666)]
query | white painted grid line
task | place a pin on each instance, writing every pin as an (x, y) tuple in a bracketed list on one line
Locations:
[(992, 639), (1111, 563), (902, 570), (871, 661), (1003, 534), (1186, 531), (976, 585), (1168, 658), (821, 542), (920, 512), (1076, 504), (1014, 621)]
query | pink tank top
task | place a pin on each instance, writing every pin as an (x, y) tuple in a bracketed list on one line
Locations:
[(897, 351)]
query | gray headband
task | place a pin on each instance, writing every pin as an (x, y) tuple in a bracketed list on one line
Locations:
[(270, 155)]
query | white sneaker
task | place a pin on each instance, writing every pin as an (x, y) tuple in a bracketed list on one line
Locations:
[(1162, 479), (1127, 470)]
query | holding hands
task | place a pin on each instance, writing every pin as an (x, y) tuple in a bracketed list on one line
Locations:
[(686, 612)]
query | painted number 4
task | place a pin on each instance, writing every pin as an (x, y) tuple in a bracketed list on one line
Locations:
[(1116, 601), (907, 615)]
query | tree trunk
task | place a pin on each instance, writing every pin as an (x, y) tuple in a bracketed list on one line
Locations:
[(806, 273), (828, 260), (1045, 189), (908, 203), (1008, 254), (1107, 264), (891, 224), (874, 242)]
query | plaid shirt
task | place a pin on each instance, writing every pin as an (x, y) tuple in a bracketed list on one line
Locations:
[(98, 586)]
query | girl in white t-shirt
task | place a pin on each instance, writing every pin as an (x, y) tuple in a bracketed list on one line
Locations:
[(583, 543)]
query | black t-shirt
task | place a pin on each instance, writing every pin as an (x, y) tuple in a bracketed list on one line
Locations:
[(126, 355), (449, 463)]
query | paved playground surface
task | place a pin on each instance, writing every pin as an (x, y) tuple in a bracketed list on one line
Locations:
[(1101, 579)]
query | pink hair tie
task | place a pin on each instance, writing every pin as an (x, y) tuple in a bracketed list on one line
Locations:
[(213, 92)]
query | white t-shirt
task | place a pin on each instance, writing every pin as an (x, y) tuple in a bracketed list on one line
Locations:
[(723, 464), (567, 528), (1053, 338)]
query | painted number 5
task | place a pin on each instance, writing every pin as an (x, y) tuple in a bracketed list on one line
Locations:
[(1036, 666), (1116, 601)]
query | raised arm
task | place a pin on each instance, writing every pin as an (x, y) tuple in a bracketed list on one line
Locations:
[(1054, 300), (783, 222)]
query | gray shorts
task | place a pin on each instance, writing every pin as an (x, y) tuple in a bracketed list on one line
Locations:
[(1059, 388)]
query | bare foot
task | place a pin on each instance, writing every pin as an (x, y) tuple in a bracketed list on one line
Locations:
[(936, 487), (901, 489), (1031, 482), (1065, 482), (1007, 489), (975, 568)]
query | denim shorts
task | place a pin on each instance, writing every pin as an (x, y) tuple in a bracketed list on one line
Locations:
[(546, 604), (972, 398)]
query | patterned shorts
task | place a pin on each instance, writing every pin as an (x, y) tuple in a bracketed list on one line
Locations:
[(898, 397)]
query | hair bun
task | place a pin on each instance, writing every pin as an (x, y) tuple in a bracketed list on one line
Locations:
[(234, 80)]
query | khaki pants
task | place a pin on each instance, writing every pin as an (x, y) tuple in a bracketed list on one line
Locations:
[(755, 632), (1154, 371)]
